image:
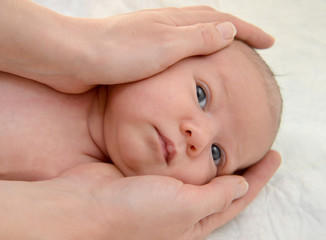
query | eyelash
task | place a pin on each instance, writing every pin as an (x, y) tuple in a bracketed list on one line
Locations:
[(208, 96), (223, 158), (206, 90)]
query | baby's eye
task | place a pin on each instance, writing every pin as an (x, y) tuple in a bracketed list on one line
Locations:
[(201, 96), (216, 153)]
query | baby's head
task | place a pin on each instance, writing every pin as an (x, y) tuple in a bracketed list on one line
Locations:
[(202, 117)]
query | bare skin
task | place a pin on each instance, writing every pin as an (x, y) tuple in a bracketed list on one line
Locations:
[(45, 132), (91, 201), (81, 53), (81, 203)]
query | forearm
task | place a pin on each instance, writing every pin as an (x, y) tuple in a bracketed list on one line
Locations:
[(39, 44), (14, 208), (43, 210), (74, 54)]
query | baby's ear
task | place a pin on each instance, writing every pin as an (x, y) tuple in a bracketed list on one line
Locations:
[(96, 170)]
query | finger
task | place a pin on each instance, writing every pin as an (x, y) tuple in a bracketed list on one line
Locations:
[(196, 8), (201, 39), (250, 33), (215, 196), (257, 176), (246, 32), (175, 10)]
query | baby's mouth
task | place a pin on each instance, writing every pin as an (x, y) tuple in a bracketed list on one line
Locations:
[(167, 147)]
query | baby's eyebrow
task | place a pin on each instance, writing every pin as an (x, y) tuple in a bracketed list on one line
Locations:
[(221, 79), (225, 90)]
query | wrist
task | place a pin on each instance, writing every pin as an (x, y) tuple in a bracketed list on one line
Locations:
[(80, 49), (93, 50), (17, 221), (41, 44), (77, 65), (47, 210)]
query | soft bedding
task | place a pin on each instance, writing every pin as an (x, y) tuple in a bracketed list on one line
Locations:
[(293, 204)]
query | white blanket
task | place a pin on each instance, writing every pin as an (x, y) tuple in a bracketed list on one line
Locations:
[(293, 205)]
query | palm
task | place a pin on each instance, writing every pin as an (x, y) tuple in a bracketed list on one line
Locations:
[(157, 207), (143, 201)]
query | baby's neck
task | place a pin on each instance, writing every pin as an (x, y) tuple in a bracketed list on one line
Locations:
[(96, 118)]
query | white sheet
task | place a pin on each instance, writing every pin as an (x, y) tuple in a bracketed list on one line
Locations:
[(293, 204)]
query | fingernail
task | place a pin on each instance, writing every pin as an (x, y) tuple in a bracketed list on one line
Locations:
[(242, 189), (227, 30)]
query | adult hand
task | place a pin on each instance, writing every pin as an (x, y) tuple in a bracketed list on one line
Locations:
[(93, 201), (134, 46), (74, 54)]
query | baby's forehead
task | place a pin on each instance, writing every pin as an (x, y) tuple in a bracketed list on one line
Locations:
[(250, 55), (229, 59), (238, 59), (237, 50)]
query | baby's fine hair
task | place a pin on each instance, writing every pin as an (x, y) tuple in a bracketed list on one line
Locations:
[(270, 82)]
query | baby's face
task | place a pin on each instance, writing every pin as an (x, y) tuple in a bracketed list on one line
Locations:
[(203, 117)]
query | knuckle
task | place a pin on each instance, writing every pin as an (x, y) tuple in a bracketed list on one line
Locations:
[(205, 7), (166, 41), (173, 9), (206, 33), (166, 51), (226, 203), (227, 200)]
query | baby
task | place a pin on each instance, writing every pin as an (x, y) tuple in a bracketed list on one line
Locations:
[(202, 117)]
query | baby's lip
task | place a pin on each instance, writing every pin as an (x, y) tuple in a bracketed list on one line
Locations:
[(167, 147)]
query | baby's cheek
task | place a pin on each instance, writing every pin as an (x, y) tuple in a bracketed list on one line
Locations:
[(227, 170), (195, 177)]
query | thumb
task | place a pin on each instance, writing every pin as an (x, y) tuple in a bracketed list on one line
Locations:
[(204, 38), (219, 194)]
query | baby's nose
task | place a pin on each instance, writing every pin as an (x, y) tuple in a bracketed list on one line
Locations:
[(197, 137)]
